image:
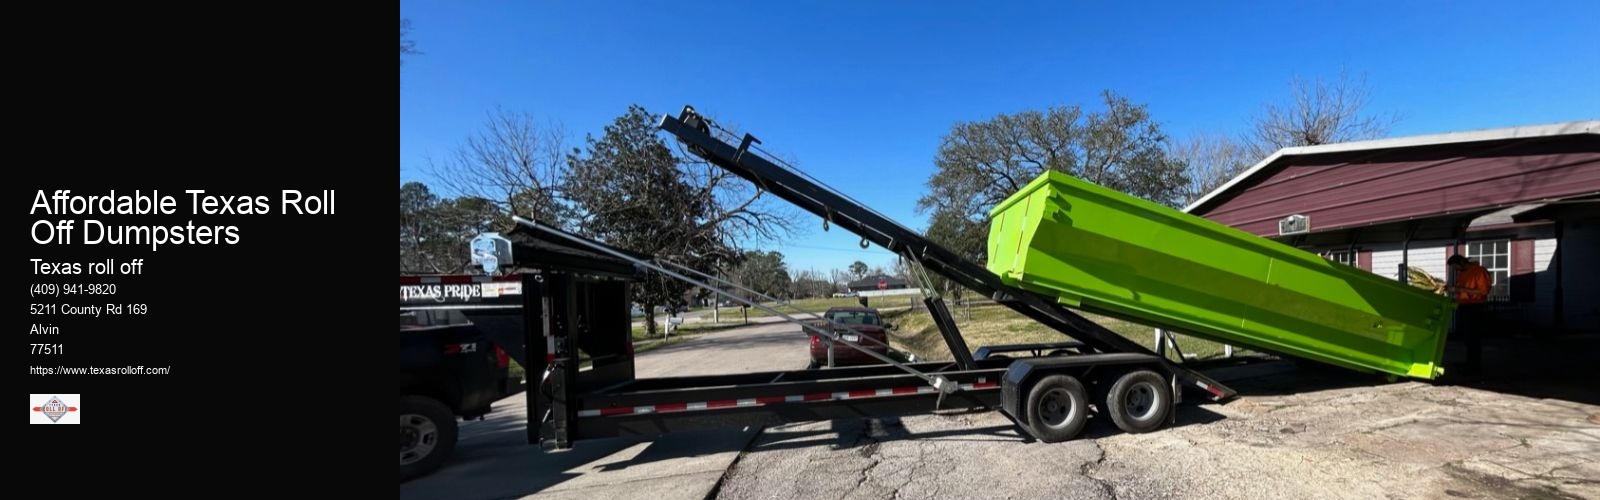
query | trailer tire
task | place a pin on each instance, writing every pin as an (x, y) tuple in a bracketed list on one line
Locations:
[(1139, 401), (1057, 408), (427, 435)]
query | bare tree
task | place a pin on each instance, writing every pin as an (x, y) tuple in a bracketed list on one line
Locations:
[(407, 46), (515, 163), (809, 283), (743, 214), (1212, 160), (1318, 112), (434, 231), (841, 279)]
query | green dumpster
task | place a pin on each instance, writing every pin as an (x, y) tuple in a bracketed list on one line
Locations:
[(1103, 251)]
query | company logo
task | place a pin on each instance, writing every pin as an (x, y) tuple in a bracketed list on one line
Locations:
[(55, 408)]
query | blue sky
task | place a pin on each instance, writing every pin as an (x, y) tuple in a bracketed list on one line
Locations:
[(861, 92)]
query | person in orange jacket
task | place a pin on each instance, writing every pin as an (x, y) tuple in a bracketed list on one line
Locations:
[(1470, 288), (1472, 281)]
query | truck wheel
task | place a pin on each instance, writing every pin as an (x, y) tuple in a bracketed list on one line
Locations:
[(427, 435), (1057, 408), (1139, 401)]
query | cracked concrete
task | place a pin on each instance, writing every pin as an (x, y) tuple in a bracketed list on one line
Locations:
[(1088, 471), (932, 456), (1350, 439)]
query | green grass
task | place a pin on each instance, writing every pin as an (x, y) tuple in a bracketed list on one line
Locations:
[(993, 324), (811, 305), (640, 347), (515, 370)]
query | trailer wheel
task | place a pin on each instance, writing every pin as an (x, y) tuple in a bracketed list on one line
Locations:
[(427, 435), (1057, 408), (1139, 401)]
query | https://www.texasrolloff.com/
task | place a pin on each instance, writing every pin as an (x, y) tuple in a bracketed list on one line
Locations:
[(99, 370)]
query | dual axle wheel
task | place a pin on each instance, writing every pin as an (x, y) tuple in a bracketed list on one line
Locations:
[(1058, 405)]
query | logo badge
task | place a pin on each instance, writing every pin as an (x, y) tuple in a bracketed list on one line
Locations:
[(55, 408)]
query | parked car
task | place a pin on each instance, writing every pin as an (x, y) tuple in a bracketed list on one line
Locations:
[(852, 323)]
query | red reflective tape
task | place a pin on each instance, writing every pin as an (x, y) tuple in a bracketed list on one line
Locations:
[(767, 400), (672, 407), (1213, 390), (452, 349)]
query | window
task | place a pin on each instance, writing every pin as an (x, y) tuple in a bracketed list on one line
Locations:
[(854, 318), (1495, 256), (1345, 257)]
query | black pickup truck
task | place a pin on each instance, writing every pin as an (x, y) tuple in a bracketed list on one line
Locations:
[(448, 370)]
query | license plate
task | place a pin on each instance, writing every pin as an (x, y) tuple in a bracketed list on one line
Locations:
[(852, 338)]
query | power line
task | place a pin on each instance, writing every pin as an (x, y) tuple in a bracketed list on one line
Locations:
[(850, 250)]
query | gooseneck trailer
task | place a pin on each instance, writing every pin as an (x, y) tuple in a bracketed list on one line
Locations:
[(1045, 258)]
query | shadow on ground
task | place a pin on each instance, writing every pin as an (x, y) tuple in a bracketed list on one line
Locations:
[(848, 433), (1560, 367), (493, 460), (1564, 367)]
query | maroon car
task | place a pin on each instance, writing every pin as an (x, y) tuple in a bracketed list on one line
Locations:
[(852, 323)]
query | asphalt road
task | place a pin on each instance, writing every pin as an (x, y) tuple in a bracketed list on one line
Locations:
[(768, 345)]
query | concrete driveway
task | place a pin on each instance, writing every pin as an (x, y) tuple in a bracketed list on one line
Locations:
[(1301, 433), (494, 461), (1528, 429), (1407, 440)]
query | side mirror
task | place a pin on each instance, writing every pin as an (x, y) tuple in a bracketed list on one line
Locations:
[(889, 326)]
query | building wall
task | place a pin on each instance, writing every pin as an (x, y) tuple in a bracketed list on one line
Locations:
[(1430, 256), (1580, 271), (1544, 286)]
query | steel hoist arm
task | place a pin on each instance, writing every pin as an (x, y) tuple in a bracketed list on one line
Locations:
[(694, 131)]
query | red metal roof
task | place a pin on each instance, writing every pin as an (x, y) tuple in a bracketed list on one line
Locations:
[(1350, 187)]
